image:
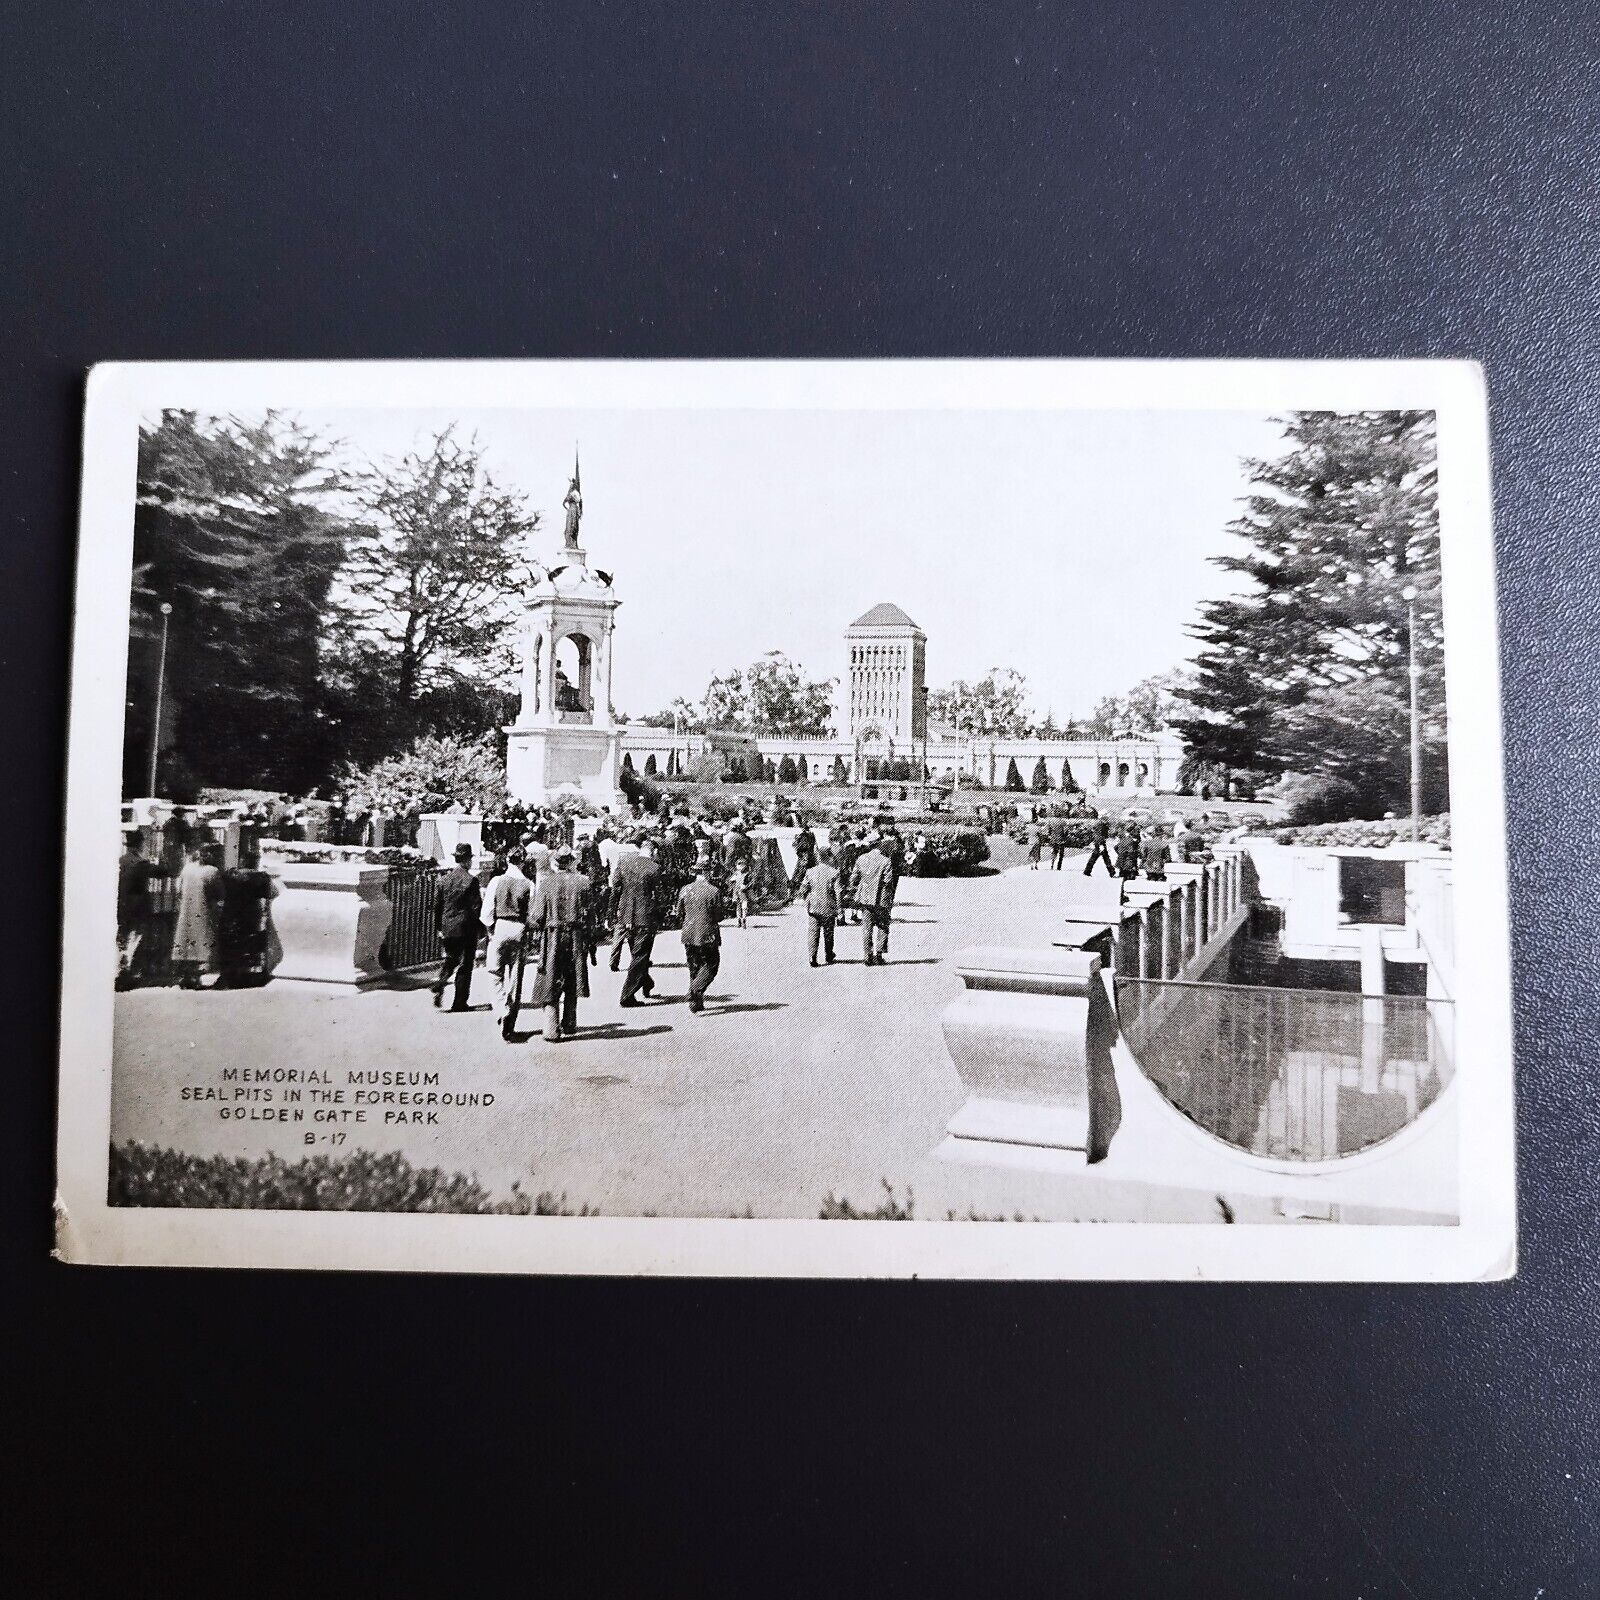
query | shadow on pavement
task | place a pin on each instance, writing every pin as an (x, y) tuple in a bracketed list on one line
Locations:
[(715, 1008)]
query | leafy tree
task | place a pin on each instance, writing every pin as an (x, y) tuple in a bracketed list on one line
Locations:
[(771, 697), (782, 701), (426, 596), (1150, 705), (238, 527), (996, 704), (1013, 777), (432, 774), (1306, 670), (1040, 783)]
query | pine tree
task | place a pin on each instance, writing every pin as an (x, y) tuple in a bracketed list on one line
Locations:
[(1306, 671), (235, 528), (1040, 783), (650, 765), (1013, 777)]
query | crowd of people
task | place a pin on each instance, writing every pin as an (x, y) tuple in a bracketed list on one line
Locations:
[(551, 906), (220, 921), (1130, 847)]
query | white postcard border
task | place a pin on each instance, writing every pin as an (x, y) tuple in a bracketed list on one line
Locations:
[(1482, 1246)]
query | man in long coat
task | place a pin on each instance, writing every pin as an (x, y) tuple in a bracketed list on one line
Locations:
[(635, 886), (559, 928)]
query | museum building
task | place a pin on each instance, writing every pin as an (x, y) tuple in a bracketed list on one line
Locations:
[(885, 712)]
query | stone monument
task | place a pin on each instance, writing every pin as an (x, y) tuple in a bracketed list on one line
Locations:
[(565, 740)]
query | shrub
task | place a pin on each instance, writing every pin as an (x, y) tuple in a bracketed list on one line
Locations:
[(1369, 835), (431, 775), (1013, 777), (1315, 797), (645, 790), (145, 1175), (952, 851), (650, 765), (1040, 783)]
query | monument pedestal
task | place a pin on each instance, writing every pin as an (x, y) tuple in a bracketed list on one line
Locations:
[(545, 762)]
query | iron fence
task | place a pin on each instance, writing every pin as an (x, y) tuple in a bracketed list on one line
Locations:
[(413, 938), (1291, 1074)]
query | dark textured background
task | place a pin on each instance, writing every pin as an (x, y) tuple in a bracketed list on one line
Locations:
[(868, 179)]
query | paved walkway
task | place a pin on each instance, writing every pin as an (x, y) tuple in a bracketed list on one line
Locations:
[(792, 1084)]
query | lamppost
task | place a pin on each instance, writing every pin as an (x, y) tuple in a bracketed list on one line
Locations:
[(161, 684), (1414, 674)]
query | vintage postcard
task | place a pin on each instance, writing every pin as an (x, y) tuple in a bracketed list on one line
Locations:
[(996, 819)]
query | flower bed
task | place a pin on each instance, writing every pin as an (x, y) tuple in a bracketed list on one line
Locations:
[(952, 851), (1374, 834)]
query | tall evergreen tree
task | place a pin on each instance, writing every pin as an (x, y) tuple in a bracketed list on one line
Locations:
[(1040, 782), (1013, 777), (237, 528), (1306, 670)]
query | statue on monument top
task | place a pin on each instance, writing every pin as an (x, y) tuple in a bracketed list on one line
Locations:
[(574, 508)]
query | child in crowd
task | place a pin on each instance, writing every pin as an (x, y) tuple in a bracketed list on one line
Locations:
[(739, 883)]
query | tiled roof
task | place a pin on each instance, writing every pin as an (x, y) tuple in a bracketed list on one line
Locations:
[(884, 615)]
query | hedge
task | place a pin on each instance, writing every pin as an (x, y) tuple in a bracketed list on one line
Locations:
[(147, 1175), (952, 851)]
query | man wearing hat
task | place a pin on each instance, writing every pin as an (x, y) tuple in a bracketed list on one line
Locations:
[(700, 907), (457, 913), (559, 926), (635, 883)]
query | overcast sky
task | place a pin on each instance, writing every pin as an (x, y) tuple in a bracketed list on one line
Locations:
[(1070, 545)]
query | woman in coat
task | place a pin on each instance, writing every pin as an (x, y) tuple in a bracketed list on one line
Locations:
[(194, 936)]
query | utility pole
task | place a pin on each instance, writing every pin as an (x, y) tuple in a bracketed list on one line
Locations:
[(1414, 673), (161, 684)]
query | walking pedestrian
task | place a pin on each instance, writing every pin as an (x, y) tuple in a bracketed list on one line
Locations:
[(1035, 845), (506, 902), (805, 856), (635, 884), (872, 889), (133, 900), (1153, 855), (739, 884), (194, 936), (1128, 841), (1100, 834), (457, 916), (821, 889), (1056, 828), (845, 860), (700, 907), (559, 930)]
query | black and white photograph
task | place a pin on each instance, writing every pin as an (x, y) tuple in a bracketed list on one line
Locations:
[(1053, 808)]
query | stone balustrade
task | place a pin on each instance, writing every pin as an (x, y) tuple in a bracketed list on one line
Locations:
[(329, 920), (1031, 1038), (1031, 1034)]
